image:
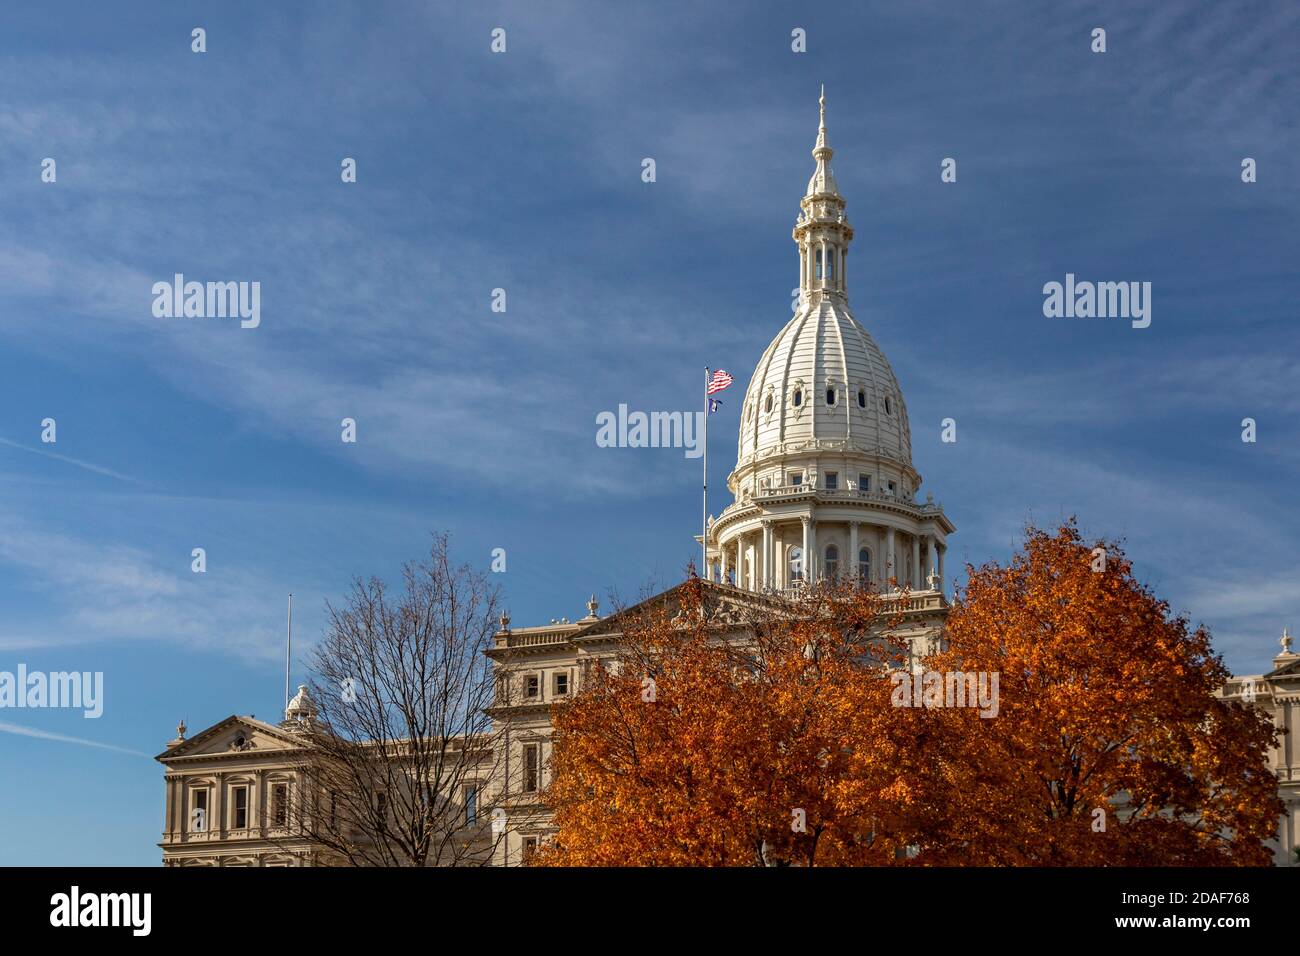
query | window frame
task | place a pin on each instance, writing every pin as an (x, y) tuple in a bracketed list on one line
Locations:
[(199, 795), (532, 775), (279, 804), (469, 799), (237, 790)]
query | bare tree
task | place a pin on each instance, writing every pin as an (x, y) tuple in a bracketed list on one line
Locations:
[(401, 761)]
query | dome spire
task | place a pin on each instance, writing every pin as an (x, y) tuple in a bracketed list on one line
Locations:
[(821, 127), (822, 232), (823, 180)]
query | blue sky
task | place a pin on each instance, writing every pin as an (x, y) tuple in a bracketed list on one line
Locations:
[(522, 171)]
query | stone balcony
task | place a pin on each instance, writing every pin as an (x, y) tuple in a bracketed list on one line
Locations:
[(845, 495)]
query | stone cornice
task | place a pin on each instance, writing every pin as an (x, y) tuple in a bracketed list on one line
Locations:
[(874, 501)]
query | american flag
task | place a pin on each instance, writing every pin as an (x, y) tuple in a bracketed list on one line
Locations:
[(718, 382)]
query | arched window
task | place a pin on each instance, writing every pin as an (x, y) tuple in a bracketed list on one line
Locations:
[(798, 397), (864, 565), (832, 561), (796, 564), (830, 264), (819, 263), (830, 395), (862, 398)]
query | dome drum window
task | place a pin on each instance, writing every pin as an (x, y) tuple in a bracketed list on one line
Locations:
[(862, 398)]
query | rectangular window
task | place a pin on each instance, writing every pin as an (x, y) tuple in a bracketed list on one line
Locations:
[(239, 808), (832, 480), (199, 814), (892, 487), (864, 482), (796, 478), (532, 685), (530, 847), (532, 767), (471, 804), (561, 683), (280, 805)]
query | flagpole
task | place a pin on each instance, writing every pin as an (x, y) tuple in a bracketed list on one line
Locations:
[(288, 651), (704, 518)]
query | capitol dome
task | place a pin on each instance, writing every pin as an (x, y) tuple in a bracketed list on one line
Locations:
[(823, 383), (824, 484)]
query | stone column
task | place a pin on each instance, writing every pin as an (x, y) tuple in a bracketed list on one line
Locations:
[(812, 560), (916, 563), (806, 523), (169, 831), (853, 553), (767, 579), (217, 812), (942, 586), (889, 553)]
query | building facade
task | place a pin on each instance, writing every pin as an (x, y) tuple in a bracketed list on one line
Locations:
[(1277, 693)]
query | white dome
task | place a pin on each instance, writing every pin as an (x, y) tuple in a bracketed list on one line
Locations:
[(824, 485), (823, 352)]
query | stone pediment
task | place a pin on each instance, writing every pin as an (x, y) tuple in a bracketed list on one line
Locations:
[(233, 736), (1288, 669), (724, 606)]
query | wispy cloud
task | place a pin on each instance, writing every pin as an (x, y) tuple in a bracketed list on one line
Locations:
[(7, 728), (88, 466)]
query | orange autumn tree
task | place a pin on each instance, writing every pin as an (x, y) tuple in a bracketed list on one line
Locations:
[(698, 747), (1109, 746)]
